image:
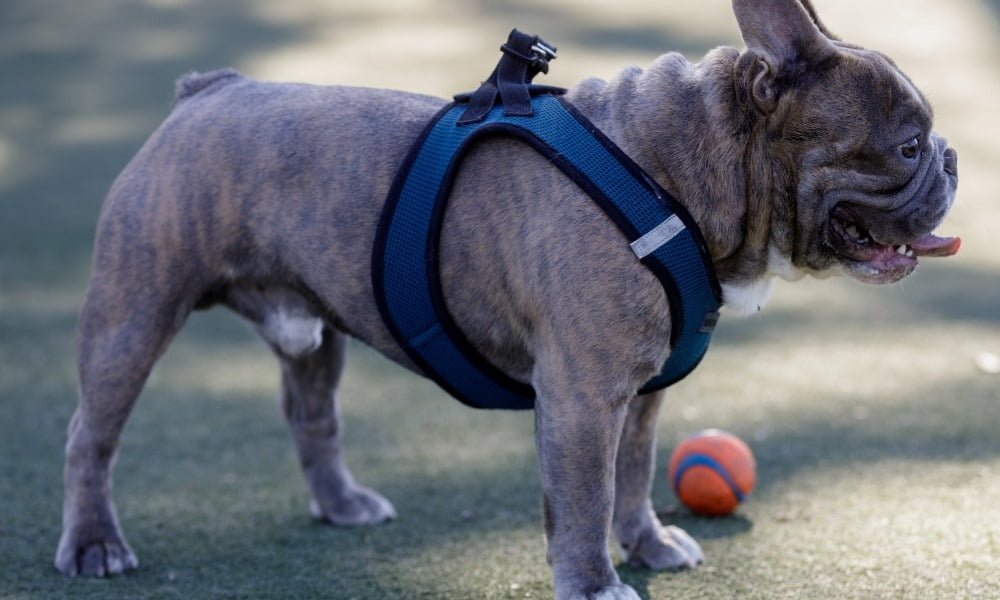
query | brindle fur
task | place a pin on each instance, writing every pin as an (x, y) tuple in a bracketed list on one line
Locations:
[(265, 197)]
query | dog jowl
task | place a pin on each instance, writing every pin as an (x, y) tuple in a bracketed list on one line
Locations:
[(800, 154)]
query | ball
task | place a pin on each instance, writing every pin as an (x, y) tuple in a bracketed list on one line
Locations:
[(712, 472)]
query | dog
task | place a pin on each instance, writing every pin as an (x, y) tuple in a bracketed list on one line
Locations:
[(799, 155)]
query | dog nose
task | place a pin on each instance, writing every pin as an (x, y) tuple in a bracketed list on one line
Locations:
[(951, 162)]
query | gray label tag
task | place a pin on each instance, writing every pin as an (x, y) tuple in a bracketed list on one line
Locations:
[(658, 236)]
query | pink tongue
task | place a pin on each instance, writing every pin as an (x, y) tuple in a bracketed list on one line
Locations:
[(932, 245)]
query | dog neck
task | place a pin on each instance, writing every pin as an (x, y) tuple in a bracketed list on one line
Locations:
[(685, 125)]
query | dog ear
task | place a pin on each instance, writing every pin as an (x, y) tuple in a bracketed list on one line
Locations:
[(786, 38), (815, 18)]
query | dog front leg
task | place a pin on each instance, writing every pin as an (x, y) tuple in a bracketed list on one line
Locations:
[(577, 430), (643, 539)]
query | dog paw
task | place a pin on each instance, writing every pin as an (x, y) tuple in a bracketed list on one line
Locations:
[(619, 591), (357, 506), (664, 548), (95, 559)]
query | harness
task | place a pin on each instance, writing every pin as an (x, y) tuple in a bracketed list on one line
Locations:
[(405, 268)]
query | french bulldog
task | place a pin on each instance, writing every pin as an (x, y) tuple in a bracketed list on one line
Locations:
[(799, 155)]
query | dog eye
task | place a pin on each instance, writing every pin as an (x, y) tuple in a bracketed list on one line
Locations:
[(910, 149)]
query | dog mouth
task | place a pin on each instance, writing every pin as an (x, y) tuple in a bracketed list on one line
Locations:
[(873, 260)]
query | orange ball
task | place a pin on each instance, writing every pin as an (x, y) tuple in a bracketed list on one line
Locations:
[(712, 471)]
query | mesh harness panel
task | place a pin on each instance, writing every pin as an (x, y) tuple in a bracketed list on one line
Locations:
[(406, 273)]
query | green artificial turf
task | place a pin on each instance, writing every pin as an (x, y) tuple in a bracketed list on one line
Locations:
[(877, 437)]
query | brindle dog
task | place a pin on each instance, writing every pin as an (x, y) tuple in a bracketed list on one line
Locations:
[(799, 155)]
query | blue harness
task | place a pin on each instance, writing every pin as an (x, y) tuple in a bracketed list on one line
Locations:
[(405, 268)]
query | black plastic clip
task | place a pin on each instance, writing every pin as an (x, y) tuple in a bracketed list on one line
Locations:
[(538, 60)]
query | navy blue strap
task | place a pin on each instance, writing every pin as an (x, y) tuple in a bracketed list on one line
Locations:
[(406, 273)]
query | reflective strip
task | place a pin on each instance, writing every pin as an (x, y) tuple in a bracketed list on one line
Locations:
[(659, 235)]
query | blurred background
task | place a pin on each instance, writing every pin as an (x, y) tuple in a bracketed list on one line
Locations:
[(874, 412)]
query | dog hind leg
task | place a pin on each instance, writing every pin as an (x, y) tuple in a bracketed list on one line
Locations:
[(124, 326), (311, 355), (643, 539), (309, 402)]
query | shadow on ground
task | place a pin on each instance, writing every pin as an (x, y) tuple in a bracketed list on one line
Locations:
[(86, 82)]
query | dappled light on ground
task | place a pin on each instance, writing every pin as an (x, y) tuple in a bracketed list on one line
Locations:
[(874, 427)]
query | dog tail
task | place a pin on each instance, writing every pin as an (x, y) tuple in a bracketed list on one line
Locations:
[(191, 83)]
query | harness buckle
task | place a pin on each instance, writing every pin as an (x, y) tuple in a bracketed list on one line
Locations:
[(541, 53)]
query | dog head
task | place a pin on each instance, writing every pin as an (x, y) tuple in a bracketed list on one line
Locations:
[(866, 180)]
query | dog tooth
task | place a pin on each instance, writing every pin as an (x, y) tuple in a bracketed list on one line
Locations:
[(909, 253), (853, 231), (901, 250)]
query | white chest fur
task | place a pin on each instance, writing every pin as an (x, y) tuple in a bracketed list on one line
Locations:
[(747, 298)]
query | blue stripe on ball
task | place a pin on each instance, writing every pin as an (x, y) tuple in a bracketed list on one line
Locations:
[(702, 460)]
